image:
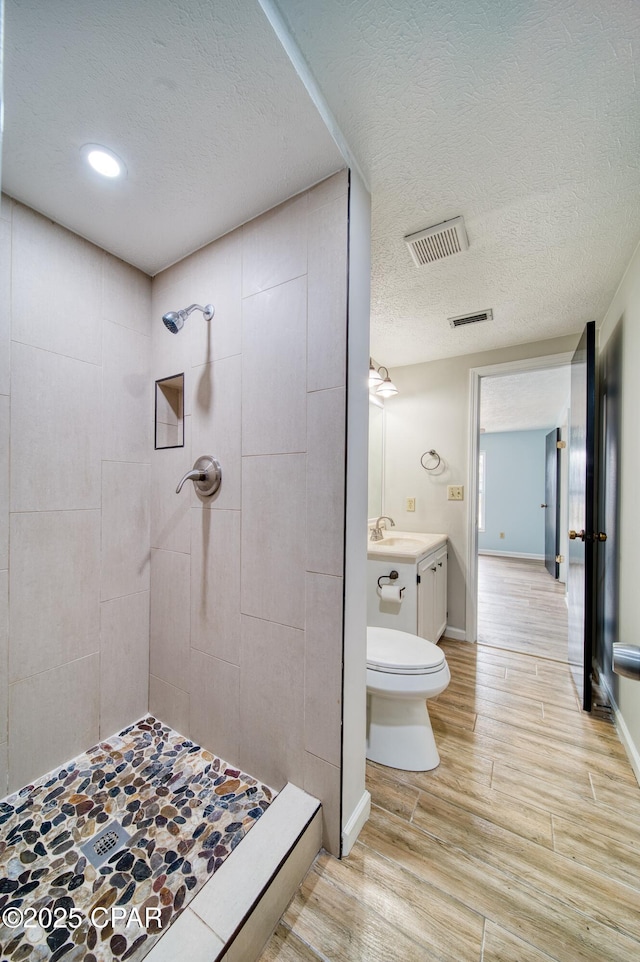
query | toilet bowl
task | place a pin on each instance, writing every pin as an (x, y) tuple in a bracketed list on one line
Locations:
[(403, 670)]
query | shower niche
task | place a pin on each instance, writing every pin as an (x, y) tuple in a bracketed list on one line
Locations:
[(169, 417)]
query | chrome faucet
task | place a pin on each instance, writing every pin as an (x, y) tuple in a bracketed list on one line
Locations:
[(376, 532)]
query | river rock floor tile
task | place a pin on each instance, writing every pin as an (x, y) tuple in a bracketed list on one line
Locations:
[(184, 809)]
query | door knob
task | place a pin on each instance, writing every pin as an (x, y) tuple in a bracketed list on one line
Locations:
[(206, 476), (544, 505), (582, 535)]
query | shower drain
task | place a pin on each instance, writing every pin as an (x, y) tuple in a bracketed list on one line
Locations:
[(105, 844)]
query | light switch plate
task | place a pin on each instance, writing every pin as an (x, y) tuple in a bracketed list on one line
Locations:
[(455, 492)]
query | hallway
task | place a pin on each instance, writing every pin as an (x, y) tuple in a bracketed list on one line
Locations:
[(522, 846), (521, 607)]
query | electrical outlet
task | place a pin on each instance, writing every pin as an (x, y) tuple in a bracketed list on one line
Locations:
[(455, 492), (411, 504), (502, 534)]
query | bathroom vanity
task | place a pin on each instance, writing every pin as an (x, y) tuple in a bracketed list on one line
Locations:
[(421, 563)]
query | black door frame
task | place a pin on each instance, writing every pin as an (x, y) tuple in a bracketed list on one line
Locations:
[(583, 453)]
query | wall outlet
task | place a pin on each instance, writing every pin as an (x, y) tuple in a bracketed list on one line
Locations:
[(411, 504), (455, 492), (502, 534)]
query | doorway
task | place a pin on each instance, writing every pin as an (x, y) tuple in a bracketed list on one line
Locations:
[(521, 608), (520, 414)]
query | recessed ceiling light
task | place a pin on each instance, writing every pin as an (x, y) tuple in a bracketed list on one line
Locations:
[(103, 160)]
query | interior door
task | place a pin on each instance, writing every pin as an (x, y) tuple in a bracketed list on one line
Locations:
[(582, 516), (552, 503), (608, 561)]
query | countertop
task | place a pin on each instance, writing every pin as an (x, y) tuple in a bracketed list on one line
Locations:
[(403, 545)]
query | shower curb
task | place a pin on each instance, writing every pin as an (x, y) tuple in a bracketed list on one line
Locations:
[(236, 911)]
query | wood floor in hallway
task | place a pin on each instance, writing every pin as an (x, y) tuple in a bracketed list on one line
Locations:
[(522, 846), (521, 607)]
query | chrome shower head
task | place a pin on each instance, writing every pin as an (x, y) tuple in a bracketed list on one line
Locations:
[(174, 320)]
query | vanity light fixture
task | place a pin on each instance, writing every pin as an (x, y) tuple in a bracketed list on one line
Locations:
[(387, 388), (103, 160), (375, 377)]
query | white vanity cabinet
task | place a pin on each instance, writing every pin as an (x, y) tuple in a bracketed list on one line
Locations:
[(420, 561), (432, 595)]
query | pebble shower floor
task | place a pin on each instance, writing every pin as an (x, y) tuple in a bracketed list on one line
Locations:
[(184, 809)]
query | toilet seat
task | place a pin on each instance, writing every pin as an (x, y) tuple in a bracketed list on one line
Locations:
[(400, 653)]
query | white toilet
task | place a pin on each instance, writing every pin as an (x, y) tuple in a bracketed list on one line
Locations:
[(403, 670)]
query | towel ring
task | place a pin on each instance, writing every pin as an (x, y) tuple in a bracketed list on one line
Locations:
[(433, 457)]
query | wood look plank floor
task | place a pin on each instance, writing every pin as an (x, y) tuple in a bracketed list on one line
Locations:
[(521, 607), (522, 846)]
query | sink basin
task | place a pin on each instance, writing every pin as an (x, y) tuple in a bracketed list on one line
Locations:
[(404, 545), (398, 542)]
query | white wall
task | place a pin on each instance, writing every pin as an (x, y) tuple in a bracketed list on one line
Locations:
[(355, 799), (432, 411), (76, 408), (625, 309)]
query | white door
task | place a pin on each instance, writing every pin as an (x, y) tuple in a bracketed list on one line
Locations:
[(440, 601), (427, 593)]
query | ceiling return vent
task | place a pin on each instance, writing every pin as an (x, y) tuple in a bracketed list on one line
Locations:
[(471, 318), (434, 243)]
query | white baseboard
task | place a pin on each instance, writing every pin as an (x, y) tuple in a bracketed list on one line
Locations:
[(457, 634), (512, 554), (621, 726), (354, 826)]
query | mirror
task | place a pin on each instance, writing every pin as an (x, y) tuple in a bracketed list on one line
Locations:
[(169, 418), (376, 458)]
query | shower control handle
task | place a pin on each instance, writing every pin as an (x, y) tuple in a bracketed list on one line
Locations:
[(206, 475), (191, 476)]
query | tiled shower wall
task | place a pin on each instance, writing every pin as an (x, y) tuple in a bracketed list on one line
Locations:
[(247, 587), (75, 445), (246, 607)]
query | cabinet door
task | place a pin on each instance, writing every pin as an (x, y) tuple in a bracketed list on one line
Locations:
[(440, 600), (427, 571)]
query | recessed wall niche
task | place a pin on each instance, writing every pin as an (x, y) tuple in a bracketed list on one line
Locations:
[(170, 412)]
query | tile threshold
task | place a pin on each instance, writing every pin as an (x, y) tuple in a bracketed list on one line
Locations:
[(233, 915)]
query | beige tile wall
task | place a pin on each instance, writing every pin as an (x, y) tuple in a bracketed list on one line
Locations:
[(75, 373), (5, 380), (241, 647), (246, 588)]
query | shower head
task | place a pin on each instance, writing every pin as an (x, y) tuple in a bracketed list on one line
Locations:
[(174, 320)]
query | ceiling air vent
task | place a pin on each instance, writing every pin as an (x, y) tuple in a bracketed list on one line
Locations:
[(471, 318), (437, 242)]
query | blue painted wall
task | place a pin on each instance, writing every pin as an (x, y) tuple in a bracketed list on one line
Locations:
[(514, 481)]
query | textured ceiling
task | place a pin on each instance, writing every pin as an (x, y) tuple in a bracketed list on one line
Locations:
[(521, 115), (198, 98), (528, 401)]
